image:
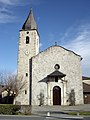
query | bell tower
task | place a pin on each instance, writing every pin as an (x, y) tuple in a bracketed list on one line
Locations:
[(28, 47)]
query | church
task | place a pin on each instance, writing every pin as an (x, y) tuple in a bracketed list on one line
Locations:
[(50, 76)]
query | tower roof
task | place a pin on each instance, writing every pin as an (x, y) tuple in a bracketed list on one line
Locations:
[(30, 23)]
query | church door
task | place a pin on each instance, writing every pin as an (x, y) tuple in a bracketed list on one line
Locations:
[(56, 95)]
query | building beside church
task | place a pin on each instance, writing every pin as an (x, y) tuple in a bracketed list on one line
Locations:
[(86, 89), (51, 75)]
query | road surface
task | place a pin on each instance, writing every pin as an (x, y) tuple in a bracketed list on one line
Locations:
[(6, 117)]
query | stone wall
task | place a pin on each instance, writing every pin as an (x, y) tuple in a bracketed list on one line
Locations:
[(43, 64), (25, 52), (26, 109)]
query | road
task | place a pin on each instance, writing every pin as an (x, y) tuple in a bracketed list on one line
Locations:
[(38, 118)]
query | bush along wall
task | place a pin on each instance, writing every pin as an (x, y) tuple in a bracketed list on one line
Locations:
[(8, 109)]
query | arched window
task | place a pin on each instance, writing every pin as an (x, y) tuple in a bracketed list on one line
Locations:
[(27, 40)]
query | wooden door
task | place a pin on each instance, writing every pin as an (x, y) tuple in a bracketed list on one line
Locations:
[(56, 95), (86, 98)]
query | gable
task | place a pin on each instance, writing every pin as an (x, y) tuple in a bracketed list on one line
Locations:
[(59, 49), (68, 61)]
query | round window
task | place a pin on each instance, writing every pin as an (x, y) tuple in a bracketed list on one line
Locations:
[(57, 66)]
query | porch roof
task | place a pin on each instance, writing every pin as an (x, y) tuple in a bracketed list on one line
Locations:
[(56, 73)]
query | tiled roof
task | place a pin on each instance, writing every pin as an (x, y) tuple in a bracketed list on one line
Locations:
[(56, 73), (85, 78)]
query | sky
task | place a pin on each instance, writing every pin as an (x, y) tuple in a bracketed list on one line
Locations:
[(66, 22)]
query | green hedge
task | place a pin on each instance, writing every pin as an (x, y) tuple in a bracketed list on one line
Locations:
[(8, 109)]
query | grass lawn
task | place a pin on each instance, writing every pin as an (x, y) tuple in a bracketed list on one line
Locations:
[(80, 113)]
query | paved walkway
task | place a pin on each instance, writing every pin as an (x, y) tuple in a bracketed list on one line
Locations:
[(59, 111)]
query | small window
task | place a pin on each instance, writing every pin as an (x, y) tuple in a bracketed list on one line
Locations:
[(27, 32), (57, 66), (26, 74), (25, 91), (56, 79), (27, 40)]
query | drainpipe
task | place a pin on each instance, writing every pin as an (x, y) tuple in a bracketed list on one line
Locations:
[(47, 93), (63, 92), (50, 95)]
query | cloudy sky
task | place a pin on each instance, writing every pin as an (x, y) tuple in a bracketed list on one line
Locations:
[(66, 22)]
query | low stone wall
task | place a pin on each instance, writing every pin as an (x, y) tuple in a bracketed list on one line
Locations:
[(26, 109)]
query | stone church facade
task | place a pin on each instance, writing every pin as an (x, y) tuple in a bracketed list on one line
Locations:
[(49, 76)]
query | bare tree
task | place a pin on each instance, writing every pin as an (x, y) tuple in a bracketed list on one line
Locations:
[(12, 85)]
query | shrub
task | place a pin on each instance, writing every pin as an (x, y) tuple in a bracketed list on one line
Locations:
[(8, 109), (72, 97)]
